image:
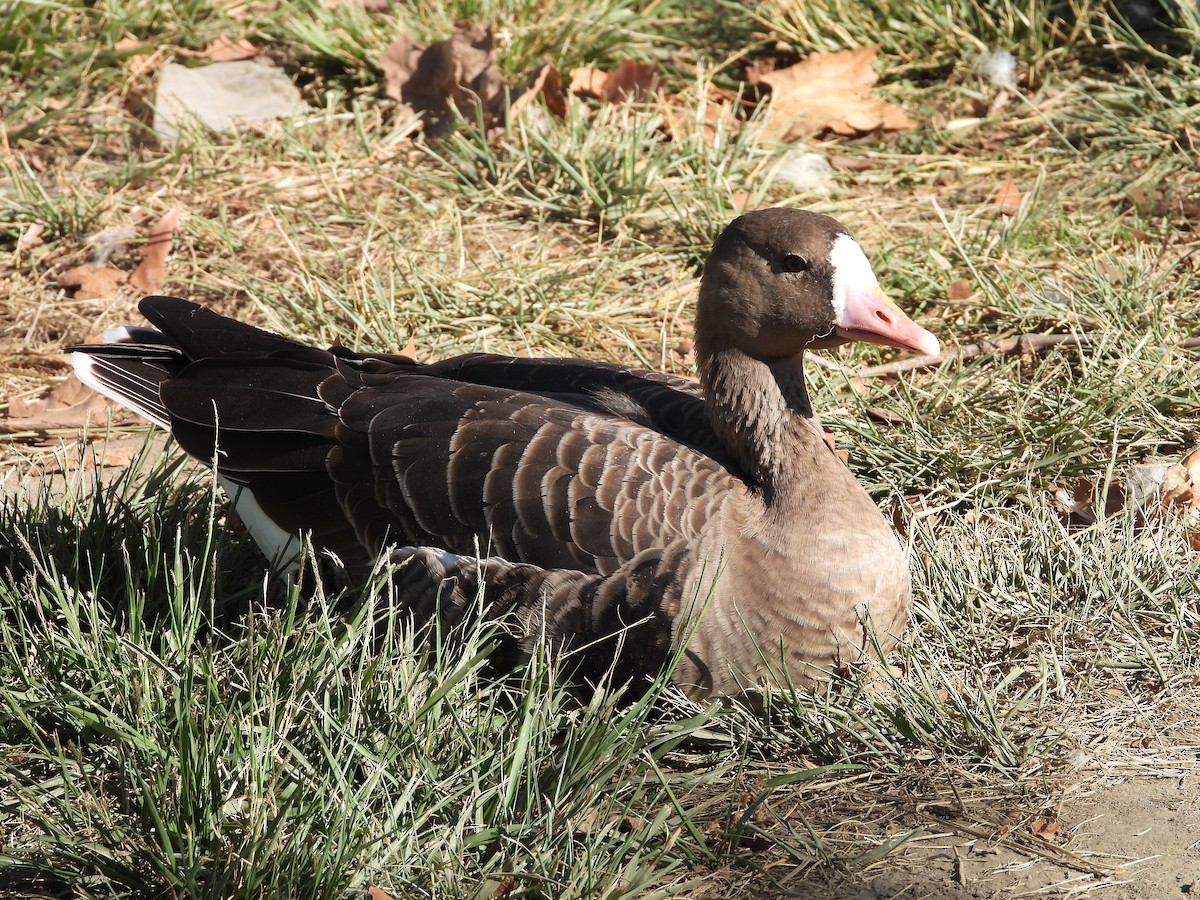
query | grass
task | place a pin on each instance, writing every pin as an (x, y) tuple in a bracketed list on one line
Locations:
[(172, 725)]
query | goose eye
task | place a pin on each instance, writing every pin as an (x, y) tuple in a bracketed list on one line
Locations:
[(794, 263)]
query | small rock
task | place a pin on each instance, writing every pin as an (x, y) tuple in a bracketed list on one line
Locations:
[(805, 171), (1144, 481), (1052, 292), (999, 67), (222, 95)]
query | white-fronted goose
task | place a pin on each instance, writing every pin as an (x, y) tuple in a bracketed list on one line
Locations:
[(630, 514)]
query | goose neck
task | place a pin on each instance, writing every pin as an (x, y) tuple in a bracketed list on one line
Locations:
[(761, 412)]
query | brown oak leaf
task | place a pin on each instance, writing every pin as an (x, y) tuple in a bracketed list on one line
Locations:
[(92, 282), (223, 49), (458, 72), (828, 92), (1047, 829), (630, 80), (1181, 483), (712, 118), (151, 273), (68, 404), (545, 82), (1008, 198), (959, 290)]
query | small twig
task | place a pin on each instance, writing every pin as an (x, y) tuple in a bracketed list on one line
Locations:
[(825, 362), (1021, 343)]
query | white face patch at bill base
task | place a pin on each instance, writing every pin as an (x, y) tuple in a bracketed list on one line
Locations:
[(851, 271)]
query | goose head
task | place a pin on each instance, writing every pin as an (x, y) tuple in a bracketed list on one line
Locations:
[(780, 281)]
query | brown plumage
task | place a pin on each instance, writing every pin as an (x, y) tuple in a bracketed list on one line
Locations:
[(630, 515)]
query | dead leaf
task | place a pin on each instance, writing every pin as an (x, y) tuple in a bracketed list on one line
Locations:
[(507, 883), (544, 82), (714, 116), (66, 394), (1181, 483), (630, 80), (1182, 209), (885, 416), (827, 92), (754, 69), (31, 236), (1047, 829), (457, 73), (998, 103), (102, 456), (68, 404), (223, 49), (588, 81), (1008, 198), (374, 893), (92, 282), (410, 349), (959, 290), (1077, 505), (851, 163), (145, 63), (151, 273)]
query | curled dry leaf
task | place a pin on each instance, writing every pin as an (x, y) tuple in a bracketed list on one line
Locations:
[(146, 63), (1047, 829), (151, 273), (851, 163), (685, 350), (1181, 483), (630, 80), (1181, 488), (544, 82), (92, 282), (713, 117), (223, 49), (31, 236), (1078, 505), (68, 404), (1182, 208), (410, 349), (827, 92), (64, 461), (1008, 198), (458, 73), (959, 290)]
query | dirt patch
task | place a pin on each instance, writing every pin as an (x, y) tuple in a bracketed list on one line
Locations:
[(1127, 838)]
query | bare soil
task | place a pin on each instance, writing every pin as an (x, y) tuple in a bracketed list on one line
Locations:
[(1125, 837)]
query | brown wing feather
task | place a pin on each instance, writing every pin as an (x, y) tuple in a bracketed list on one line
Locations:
[(529, 478)]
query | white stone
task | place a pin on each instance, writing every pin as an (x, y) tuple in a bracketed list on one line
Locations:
[(222, 95)]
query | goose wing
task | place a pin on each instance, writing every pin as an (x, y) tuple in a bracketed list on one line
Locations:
[(561, 463)]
